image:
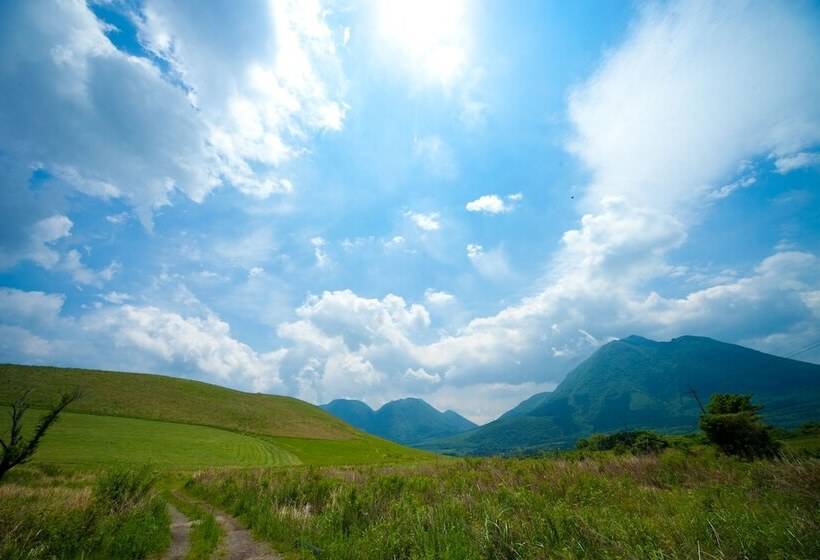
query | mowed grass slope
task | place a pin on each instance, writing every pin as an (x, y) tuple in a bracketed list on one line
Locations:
[(157, 397), (88, 440), (172, 423)]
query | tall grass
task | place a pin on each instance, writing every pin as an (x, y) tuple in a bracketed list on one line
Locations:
[(118, 515), (675, 505)]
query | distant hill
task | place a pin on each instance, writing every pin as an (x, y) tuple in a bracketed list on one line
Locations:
[(640, 383), (133, 417), (408, 421)]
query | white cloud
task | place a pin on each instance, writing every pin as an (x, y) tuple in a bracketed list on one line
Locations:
[(422, 375), (116, 298), (494, 204), (489, 204), (72, 264), (429, 39), (492, 264), (436, 155), (247, 88), (395, 242), (38, 245), (693, 92), (435, 297), (800, 160), (425, 222), (322, 258), (23, 308), (120, 218), (483, 402), (17, 341), (726, 190), (203, 344)]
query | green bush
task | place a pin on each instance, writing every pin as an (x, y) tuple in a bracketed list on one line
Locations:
[(634, 442), (732, 422)]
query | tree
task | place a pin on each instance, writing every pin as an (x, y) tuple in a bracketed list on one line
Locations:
[(18, 450), (733, 423)]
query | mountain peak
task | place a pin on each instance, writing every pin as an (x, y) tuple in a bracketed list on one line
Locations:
[(409, 420), (639, 340)]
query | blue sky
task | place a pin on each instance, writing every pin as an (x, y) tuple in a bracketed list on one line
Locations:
[(452, 200)]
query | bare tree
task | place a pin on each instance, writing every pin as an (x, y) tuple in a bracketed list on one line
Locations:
[(17, 450)]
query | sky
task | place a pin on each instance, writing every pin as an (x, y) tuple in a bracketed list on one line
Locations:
[(455, 200)]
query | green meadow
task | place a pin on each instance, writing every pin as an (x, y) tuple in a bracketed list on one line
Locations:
[(101, 484), (177, 424), (677, 505), (90, 441)]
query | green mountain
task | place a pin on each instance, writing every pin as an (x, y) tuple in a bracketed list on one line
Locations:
[(640, 383), (178, 423), (408, 421), (528, 405)]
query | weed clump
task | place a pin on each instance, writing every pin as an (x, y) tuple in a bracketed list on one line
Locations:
[(118, 516)]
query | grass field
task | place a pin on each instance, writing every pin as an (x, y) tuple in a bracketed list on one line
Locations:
[(178, 424), (674, 506), (156, 397), (89, 440)]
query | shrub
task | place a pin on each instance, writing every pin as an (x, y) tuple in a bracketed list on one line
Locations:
[(634, 442), (732, 422)]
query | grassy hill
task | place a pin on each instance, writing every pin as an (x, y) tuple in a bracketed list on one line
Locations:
[(158, 397), (408, 421), (639, 383), (182, 424)]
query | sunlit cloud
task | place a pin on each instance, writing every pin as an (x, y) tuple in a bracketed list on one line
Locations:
[(429, 38)]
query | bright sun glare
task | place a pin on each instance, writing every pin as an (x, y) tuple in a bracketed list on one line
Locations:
[(430, 35)]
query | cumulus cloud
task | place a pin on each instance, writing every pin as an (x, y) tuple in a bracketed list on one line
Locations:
[(132, 337), (494, 204), (73, 265), (422, 375), (38, 247), (204, 109), (435, 297), (425, 222), (25, 308), (198, 344)]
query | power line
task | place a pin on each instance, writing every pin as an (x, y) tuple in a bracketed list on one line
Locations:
[(812, 346)]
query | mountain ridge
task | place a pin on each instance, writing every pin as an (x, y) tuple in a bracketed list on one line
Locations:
[(636, 382), (409, 420)]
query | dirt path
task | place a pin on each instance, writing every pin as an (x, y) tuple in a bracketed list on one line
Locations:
[(239, 544), (180, 535)]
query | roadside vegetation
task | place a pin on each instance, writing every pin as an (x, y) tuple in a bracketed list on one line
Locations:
[(46, 513), (676, 504)]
